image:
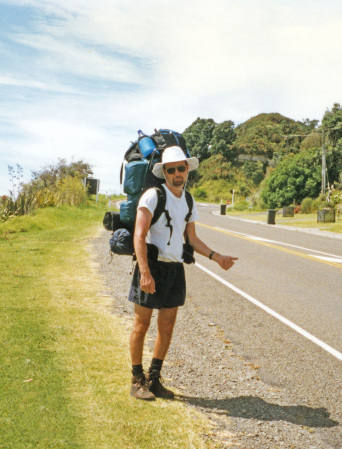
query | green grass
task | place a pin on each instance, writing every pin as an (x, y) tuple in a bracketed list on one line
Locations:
[(65, 369), (299, 220)]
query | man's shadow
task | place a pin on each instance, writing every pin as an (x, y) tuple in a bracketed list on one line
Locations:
[(251, 407)]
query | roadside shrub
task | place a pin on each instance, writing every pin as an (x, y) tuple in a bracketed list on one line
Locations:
[(241, 205), (260, 204), (307, 206), (11, 207), (70, 191), (336, 198), (200, 193), (52, 186), (316, 205), (311, 206)]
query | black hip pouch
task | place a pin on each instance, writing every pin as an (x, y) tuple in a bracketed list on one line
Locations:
[(188, 253)]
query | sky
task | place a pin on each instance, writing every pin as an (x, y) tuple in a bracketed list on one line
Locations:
[(79, 78)]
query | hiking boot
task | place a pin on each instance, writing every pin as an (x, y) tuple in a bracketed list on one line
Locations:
[(156, 387), (139, 388)]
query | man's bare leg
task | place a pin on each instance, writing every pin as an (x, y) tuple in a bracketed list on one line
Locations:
[(166, 323), (141, 323)]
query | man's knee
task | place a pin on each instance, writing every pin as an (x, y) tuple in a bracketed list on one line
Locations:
[(166, 320), (141, 324), (141, 327)]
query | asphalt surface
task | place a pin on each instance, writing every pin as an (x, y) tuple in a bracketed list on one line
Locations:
[(298, 275)]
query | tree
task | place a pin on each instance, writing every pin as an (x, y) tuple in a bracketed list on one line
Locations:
[(222, 139), (310, 124), (334, 163), (50, 174), (254, 171), (198, 137), (332, 121), (313, 140), (295, 178)]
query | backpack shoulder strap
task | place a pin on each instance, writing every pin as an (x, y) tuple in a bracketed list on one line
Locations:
[(160, 208), (161, 203), (190, 203), (121, 173)]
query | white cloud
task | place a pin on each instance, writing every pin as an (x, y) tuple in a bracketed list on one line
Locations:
[(96, 72), (74, 59), (31, 83)]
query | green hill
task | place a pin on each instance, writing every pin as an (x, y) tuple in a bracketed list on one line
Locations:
[(237, 158), (264, 135), (270, 160)]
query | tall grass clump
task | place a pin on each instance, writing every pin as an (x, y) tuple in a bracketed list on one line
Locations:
[(70, 191), (53, 185), (307, 206)]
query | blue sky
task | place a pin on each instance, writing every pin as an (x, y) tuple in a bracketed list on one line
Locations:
[(78, 78)]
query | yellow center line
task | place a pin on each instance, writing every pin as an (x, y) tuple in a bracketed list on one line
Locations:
[(270, 245)]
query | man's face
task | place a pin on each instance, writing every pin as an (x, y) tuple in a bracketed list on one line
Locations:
[(176, 173)]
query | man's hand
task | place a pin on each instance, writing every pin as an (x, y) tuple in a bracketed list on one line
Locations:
[(147, 283), (200, 247), (225, 262)]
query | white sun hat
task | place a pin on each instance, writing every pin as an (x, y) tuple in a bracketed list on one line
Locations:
[(174, 154)]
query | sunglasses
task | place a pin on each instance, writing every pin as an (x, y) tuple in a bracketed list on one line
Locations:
[(172, 170)]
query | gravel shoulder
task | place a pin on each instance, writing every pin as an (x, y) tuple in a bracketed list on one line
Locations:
[(210, 373)]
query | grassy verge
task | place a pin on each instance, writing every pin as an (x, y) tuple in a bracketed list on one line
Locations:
[(65, 369), (299, 220)]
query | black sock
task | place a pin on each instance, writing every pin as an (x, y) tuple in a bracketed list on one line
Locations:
[(156, 365), (137, 370)]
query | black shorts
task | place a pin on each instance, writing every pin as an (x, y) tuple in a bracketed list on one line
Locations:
[(169, 278)]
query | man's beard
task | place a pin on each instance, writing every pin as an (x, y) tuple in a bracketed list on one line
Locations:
[(178, 183)]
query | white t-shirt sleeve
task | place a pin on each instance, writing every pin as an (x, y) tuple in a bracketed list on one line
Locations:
[(149, 200)]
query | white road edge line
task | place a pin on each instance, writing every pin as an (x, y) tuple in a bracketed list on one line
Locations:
[(276, 315), (328, 259), (252, 237)]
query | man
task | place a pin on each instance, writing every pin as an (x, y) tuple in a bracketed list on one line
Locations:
[(160, 284)]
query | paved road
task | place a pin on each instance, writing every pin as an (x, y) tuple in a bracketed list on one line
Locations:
[(298, 276)]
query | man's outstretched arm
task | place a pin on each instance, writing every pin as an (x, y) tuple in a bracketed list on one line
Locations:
[(200, 247)]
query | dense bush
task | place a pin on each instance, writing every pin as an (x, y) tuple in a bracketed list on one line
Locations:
[(310, 206), (200, 194), (307, 205), (299, 176), (336, 198), (241, 205), (71, 191), (296, 177), (51, 186)]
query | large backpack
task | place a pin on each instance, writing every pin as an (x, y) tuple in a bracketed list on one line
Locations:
[(139, 161), (136, 176)]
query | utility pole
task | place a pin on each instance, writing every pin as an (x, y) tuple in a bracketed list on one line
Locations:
[(324, 167)]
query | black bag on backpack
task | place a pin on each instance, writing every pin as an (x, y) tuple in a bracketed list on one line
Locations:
[(111, 221), (165, 138), (121, 242)]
